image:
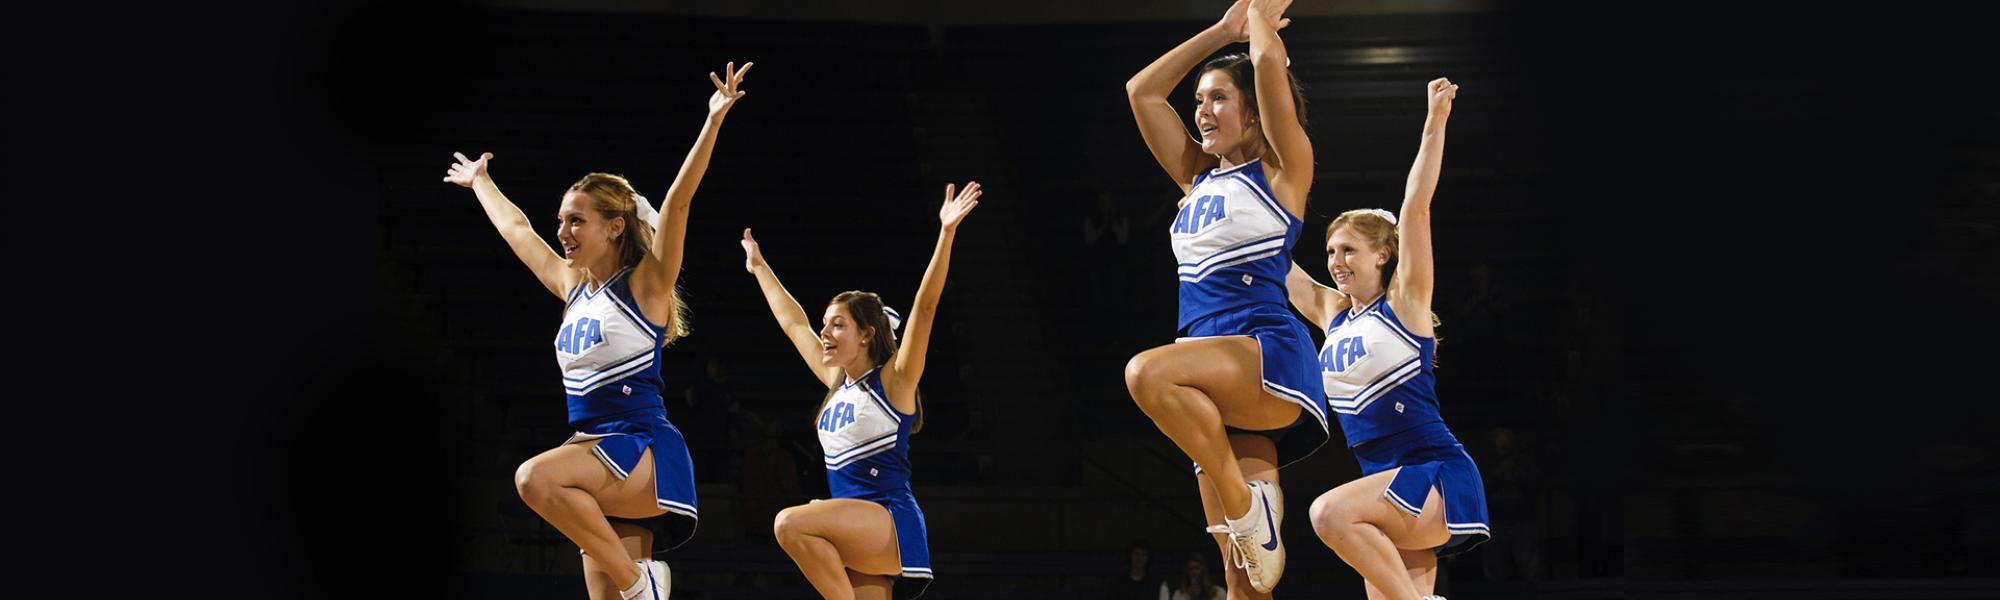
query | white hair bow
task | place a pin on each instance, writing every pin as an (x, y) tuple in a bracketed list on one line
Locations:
[(646, 212), (1386, 215)]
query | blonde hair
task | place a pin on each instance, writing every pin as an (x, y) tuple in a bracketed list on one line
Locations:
[(1380, 230), (614, 198)]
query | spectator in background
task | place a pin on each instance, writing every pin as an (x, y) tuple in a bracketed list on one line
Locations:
[(1514, 495), (708, 409), (1138, 582), (768, 479), (1194, 582), (1479, 334), (1106, 220), (1107, 275)]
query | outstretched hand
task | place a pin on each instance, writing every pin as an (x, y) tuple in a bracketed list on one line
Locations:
[(1271, 11), (958, 203), (1236, 21), (727, 88), (466, 170), (753, 256)]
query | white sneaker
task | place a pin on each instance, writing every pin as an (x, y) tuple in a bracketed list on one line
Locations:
[(1253, 539), (655, 582), (663, 578)]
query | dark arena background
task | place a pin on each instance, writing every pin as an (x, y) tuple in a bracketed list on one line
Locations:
[(1716, 285)]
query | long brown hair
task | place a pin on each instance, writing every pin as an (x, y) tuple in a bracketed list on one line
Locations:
[(1244, 73), (614, 199), (866, 309)]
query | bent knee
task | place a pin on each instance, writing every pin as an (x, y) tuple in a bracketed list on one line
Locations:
[(788, 525), (1146, 374), (1139, 374), (528, 481), (1329, 512)]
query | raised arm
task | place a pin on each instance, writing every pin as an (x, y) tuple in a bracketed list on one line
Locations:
[(909, 361), (791, 318), (1415, 268), (1317, 302), (528, 246), (1276, 114), (653, 280), (1165, 134)]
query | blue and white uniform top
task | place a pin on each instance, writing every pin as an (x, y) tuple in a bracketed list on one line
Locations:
[(867, 450), (866, 441), (1379, 377), (609, 353), (1233, 240)]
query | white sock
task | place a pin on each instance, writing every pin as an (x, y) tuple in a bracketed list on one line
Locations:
[(638, 587), (1246, 521)]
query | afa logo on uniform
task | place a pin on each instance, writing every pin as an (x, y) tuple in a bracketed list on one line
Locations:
[(1342, 354), (840, 415), (1201, 213), (580, 336)]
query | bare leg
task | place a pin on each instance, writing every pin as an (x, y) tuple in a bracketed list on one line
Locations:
[(871, 587), (1257, 459), (1422, 566), (571, 489), (830, 538), (638, 541), (1191, 389), (1369, 533)]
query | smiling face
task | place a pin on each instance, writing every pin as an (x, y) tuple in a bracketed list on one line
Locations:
[(1224, 115), (587, 237), (601, 230), (843, 341), (1355, 261)]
